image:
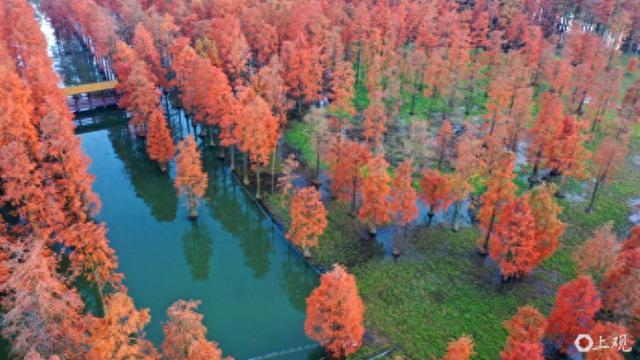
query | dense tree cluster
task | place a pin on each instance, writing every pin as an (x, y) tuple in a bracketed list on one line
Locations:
[(548, 75), (48, 205)]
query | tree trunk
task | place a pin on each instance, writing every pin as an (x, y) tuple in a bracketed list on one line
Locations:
[(273, 169), (258, 194), (593, 196), (245, 169), (441, 159), (534, 172), (317, 177), (485, 244), (232, 153), (456, 213), (193, 207), (372, 229), (353, 194), (166, 108)]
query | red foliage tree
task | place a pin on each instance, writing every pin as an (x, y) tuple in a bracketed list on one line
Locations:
[(346, 158), (146, 51), (444, 142), (436, 191), (231, 50), (261, 35), (41, 313), (124, 58), (544, 129), (621, 289), (526, 330), (459, 349), (403, 205), (548, 228), (303, 71), (375, 193), (335, 313), (576, 303), (500, 191), (22, 190), (308, 219), (185, 336), (270, 85), (190, 180), (15, 105), (512, 243), (256, 131), (597, 255), (119, 334), (342, 89), (206, 94), (566, 154), (140, 96), (608, 158), (375, 119), (159, 142), (91, 255)]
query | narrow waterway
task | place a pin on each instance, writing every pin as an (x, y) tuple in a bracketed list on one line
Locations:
[(233, 258)]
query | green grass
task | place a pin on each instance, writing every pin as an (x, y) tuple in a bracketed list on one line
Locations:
[(420, 305), (299, 136), (344, 240)]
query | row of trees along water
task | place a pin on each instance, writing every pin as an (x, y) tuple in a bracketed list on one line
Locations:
[(544, 75)]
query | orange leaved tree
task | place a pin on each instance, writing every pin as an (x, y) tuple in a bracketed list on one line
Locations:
[(159, 142), (460, 349), (576, 303), (597, 255), (335, 313), (621, 288), (190, 180), (403, 203), (444, 141), (375, 193), (526, 330), (544, 129), (346, 158), (40, 313), (436, 191), (308, 219), (119, 334), (512, 243), (256, 133), (185, 336), (500, 191), (545, 213), (608, 158)]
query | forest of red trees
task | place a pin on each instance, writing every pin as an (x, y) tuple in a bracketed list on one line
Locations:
[(553, 110)]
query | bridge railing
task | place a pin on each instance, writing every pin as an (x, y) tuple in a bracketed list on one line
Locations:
[(89, 88)]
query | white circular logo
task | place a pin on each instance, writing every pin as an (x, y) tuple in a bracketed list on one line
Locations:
[(579, 346)]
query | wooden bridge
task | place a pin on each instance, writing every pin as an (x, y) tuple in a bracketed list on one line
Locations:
[(90, 96)]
